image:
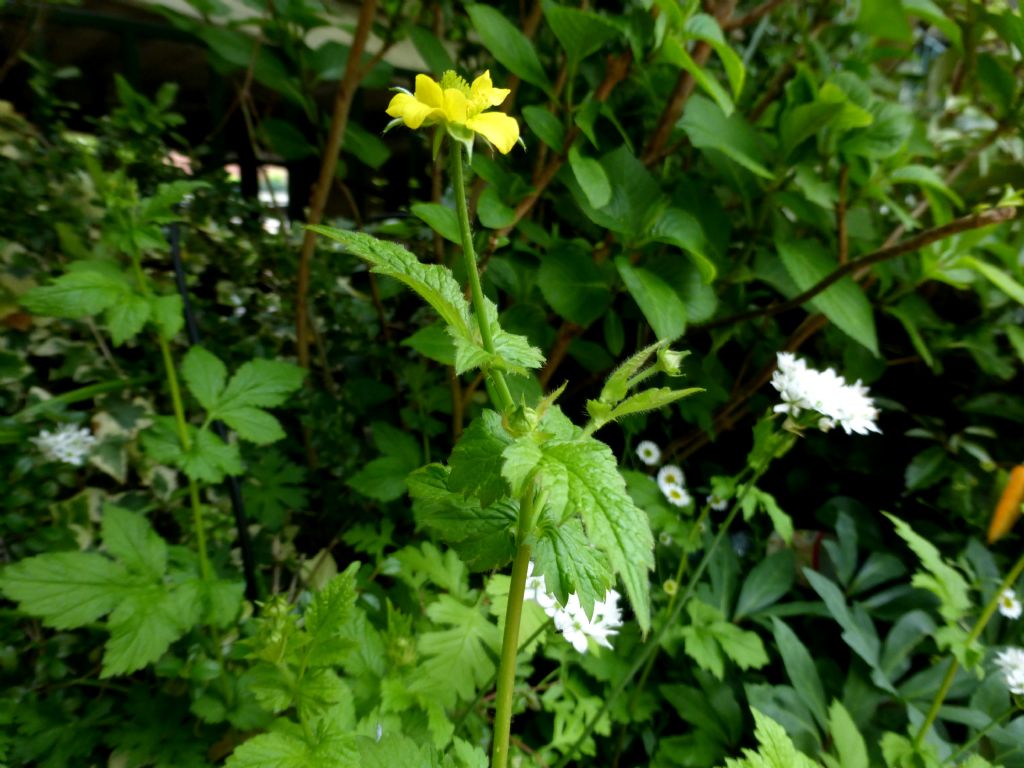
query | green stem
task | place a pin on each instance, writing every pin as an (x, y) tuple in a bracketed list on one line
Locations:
[(646, 658), (954, 665), (510, 640), (504, 396), (83, 393), (980, 734), (181, 423)]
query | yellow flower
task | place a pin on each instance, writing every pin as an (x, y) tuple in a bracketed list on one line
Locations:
[(459, 107)]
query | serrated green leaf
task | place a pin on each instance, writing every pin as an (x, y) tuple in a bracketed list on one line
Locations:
[(457, 661), (476, 461), (433, 342), (287, 748), (774, 748), (843, 303), (327, 617), (88, 290), (130, 538), (939, 578), (205, 376), (260, 383), (126, 318), (67, 589), (596, 491), (434, 283), (382, 479), (570, 563), (168, 314), (145, 623), (253, 424)]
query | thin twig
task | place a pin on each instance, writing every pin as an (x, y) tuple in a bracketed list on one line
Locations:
[(752, 16), (339, 121), (974, 221)]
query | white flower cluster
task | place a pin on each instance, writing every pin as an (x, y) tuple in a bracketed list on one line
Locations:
[(670, 477), (1011, 663), (1009, 605), (825, 392), (571, 620), (69, 444)]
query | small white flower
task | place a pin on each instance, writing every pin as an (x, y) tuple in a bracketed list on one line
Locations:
[(1009, 605), (571, 620), (649, 452), (670, 474), (1011, 663), (716, 503), (676, 495), (825, 392), (69, 444)]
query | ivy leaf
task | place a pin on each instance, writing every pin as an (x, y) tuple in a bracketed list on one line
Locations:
[(457, 661), (476, 460), (597, 492)]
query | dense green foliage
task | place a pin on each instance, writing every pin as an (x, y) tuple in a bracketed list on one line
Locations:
[(733, 182)]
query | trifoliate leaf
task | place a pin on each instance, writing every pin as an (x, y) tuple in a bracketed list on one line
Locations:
[(260, 383), (709, 636), (205, 376), (253, 424)]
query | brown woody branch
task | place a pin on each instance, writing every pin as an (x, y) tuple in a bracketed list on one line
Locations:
[(974, 221), (339, 121), (752, 16)]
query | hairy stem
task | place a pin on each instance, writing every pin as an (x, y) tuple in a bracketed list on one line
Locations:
[(503, 395), (181, 423), (510, 639)]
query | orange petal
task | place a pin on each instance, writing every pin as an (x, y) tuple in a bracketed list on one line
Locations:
[(1009, 507)]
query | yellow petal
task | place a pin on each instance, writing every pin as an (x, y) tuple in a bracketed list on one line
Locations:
[(413, 112), (429, 92), (498, 128), (456, 107), (484, 93)]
